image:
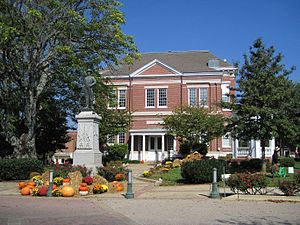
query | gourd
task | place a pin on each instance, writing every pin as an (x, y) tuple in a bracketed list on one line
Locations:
[(25, 191), (81, 188), (119, 187), (22, 184), (66, 180), (67, 191), (43, 191)]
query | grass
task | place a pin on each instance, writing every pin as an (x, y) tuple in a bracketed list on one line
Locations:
[(171, 178)]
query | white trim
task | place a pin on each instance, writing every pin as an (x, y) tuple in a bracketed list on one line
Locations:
[(166, 82), (149, 65), (218, 81), (156, 87), (154, 122), (197, 85), (163, 113)]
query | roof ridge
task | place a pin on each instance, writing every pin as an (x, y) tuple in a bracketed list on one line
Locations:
[(174, 52)]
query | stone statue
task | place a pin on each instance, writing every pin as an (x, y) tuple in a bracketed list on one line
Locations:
[(89, 82)]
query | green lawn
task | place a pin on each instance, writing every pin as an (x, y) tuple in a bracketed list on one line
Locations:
[(173, 177)]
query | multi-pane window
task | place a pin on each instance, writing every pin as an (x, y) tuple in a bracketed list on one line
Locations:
[(162, 97), (203, 96), (226, 140), (192, 97), (121, 138), (150, 97), (112, 99), (225, 93), (170, 142), (121, 98), (110, 139)]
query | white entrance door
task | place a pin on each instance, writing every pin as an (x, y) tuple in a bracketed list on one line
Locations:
[(155, 148)]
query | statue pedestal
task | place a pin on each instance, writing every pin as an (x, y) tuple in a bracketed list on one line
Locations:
[(87, 147)]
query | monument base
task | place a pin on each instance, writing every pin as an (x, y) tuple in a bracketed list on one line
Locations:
[(87, 152), (89, 159)]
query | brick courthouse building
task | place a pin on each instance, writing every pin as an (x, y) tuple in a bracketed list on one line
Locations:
[(155, 85)]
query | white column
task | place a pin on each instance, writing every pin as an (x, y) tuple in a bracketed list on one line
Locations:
[(131, 147), (174, 146), (162, 147), (144, 148)]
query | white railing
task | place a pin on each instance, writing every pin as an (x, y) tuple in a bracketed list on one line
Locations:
[(243, 151), (246, 151)]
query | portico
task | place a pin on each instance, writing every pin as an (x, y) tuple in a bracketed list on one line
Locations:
[(151, 145)]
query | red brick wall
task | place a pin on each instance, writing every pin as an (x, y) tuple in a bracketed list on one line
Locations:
[(156, 69)]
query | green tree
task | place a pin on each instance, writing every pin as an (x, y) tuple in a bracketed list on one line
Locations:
[(195, 124), (261, 91), (52, 41), (288, 120)]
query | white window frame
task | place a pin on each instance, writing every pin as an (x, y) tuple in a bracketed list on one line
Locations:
[(114, 99), (226, 140), (123, 98), (225, 92), (111, 139), (159, 98), (121, 136), (200, 97), (189, 96), (146, 98)]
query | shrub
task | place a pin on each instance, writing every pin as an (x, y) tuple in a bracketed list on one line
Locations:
[(185, 148), (200, 147), (287, 162), (289, 187), (200, 171), (19, 169), (252, 165), (117, 152), (248, 183), (111, 170), (297, 178)]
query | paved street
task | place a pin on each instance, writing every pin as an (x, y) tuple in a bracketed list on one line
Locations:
[(152, 205)]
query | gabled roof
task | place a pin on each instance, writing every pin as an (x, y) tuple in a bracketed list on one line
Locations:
[(184, 62)]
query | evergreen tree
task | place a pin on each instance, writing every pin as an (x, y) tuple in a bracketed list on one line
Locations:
[(261, 91)]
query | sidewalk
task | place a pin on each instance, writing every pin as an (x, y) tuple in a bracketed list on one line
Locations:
[(143, 189)]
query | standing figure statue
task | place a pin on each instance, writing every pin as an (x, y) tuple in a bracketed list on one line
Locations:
[(89, 82)]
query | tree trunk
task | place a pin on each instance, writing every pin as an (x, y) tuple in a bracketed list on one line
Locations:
[(28, 142), (263, 156)]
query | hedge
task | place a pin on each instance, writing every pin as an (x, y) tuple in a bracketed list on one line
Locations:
[(287, 161), (201, 171), (19, 169)]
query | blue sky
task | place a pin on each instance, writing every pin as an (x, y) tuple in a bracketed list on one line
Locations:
[(226, 28)]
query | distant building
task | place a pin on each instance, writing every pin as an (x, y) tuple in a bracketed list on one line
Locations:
[(156, 84), (66, 153)]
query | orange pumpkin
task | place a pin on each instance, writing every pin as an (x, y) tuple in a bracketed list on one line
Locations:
[(67, 191), (83, 185), (22, 184), (30, 186), (31, 183), (119, 187), (66, 180), (54, 186), (115, 182), (81, 188), (25, 191)]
